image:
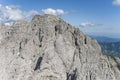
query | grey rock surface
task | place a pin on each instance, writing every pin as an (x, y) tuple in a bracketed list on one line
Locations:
[(115, 66), (48, 48)]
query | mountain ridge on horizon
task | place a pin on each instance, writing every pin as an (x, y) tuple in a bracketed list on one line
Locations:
[(105, 38)]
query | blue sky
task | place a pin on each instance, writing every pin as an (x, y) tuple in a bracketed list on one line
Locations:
[(94, 17)]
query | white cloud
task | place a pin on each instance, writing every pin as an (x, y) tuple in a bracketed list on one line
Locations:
[(116, 2), (87, 24), (56, 12), (8, 23), (10, 13)]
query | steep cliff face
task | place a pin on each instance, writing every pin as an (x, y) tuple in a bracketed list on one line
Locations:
[(115, 66), (48, 48)]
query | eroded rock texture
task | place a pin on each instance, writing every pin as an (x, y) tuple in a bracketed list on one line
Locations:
[(48, 48)]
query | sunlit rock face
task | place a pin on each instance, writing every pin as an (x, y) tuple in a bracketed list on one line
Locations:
[(48, 48)]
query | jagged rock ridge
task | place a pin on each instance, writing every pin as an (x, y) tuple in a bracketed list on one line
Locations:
[(48, 48)]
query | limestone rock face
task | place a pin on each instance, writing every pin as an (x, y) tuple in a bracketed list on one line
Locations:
[(115, 66), (48, 48)]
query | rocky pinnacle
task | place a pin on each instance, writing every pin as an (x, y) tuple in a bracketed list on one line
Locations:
[(48, 48)]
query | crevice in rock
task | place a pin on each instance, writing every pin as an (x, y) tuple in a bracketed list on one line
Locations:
[(22, 57), (40, 36), (58, 29), (38, 64), (72, 76), (76, 43), (20, 48), (22, 44), (90, 76), (85, 40)]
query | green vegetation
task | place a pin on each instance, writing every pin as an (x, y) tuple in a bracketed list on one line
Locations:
[(111, 48)]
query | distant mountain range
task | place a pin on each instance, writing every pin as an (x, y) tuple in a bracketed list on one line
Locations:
[(105, 39), (109, 46)]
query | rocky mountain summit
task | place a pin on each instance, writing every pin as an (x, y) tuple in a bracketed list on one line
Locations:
[(48, 48)]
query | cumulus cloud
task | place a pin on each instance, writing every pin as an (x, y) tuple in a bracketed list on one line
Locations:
[(116, 2), (57, 12), (87, 24), (10, 13)]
